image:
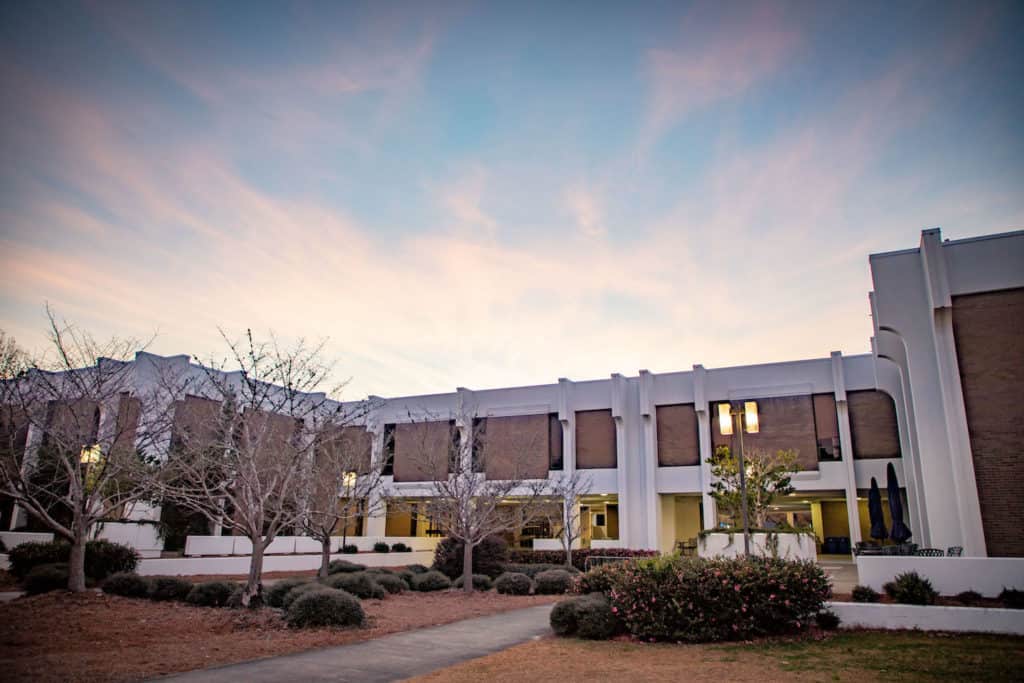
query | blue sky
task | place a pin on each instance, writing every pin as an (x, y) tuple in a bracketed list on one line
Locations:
[(488, 194)]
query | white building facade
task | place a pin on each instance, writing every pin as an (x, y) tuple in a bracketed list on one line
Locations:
[(939, 398)]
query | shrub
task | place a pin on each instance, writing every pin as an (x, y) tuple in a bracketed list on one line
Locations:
[(392, 583), (127, 584), (532, 570), (598, 580), (350, 549), (827, 620), (969, 597), (339, 566), (697, 599), (235, 601), (44, 578), (3, 546), (865, 594), (579, 556), (586, 616), (298, 591), (481, 582), (910, 588), (512, 583), (359, 584), (417, 569), (381, 547), (406, 576), (563, 618), (553, 582), (325, 608), (400, 548), (210, 594), (488, 557), (163, 588), (28, 555), (103, 558), (274, 596), (1012, 598), (430, 581)]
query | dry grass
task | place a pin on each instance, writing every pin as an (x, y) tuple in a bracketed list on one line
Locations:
[(94, 637)]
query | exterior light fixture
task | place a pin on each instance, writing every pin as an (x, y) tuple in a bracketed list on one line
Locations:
[(750, 417), (349, 480), (724, 419), (91, 455)]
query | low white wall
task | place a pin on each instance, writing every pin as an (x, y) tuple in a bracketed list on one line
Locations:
[(200, 546), (239, 564), (599, 543), (143, 537), (957, 619), (949, 575), (791, 546), (13, 539), (553, 544)]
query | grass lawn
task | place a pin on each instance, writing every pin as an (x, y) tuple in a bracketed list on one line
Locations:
[(842, 656)]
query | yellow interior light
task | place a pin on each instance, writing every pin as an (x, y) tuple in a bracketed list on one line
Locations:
[(750, 417), (724, 419), (91, 454)]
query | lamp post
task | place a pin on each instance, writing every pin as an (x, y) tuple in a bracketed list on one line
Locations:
[(746, 420)]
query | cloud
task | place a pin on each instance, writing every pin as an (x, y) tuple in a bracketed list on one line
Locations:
[(463, 200), (586, 210)]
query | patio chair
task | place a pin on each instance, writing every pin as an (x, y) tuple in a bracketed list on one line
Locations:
[(955, 551), (930, 552)]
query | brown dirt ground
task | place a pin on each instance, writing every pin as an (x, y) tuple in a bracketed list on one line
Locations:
[(94, 637)]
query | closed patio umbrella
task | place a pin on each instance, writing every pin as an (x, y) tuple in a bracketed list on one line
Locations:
[(900, 531), (878, 531)]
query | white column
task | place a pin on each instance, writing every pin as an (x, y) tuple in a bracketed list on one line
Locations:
[(649, 452), (700, 404), (846, 446), (376, 521)]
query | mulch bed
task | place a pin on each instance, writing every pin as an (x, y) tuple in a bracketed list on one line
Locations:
[(94, 637)]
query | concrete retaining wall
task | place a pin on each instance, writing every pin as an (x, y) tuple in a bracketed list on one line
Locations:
[(12, 539), (204, 546), (956, 619), (949, 575), (791, 546)]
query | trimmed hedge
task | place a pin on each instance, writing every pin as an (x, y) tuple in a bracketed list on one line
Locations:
[(579, 556), (102, 558), (325, 608), (46, 577), (553, 582), (274, 595), (210, 594), (532, 570), (392, 583), (694, 599), (827, 620), (381, 547), (481, 582), (359, 584), (430, 581), (587, 616), (417, 568), (300, 590), (400, 548), (489, 557), (162, 588), (349, 549), (127, 584), (512, 583), (910, 588), (338, 566), (1012, 598)]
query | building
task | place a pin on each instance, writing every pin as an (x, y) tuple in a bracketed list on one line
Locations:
[(939, 398)]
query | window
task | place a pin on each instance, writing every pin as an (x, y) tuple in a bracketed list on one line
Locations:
[(388, 468), (555, 460)]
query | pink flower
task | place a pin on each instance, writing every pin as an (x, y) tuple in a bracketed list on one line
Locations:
[(615, 610), (737, 588)]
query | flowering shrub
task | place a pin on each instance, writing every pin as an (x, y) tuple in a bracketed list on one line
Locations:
[(699, 600), (599, 579), (579, 556)]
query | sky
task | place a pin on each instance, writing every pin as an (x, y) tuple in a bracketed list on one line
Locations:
[(494, 194)]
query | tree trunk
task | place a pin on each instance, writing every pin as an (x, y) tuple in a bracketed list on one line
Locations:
[(325, 556), (76, 562), (467, 568), (252, 594), (567, 532)]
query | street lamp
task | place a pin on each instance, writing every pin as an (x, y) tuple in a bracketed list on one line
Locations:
[(746, 420)]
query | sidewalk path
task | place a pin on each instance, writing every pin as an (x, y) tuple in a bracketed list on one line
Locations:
[(390, 658)]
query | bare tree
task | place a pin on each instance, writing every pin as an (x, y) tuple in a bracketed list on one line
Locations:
[(343, 486), (473, 492), (563, 511), (73, 448), (243, 447)]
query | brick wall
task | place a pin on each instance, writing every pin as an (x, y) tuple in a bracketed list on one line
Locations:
[(989, 333), (516, 447), (595, 439), (677, 435), (786, 423), (422, 450), (873, 425)]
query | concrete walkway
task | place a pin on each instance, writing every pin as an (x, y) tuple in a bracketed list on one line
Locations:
[(390, 658)]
